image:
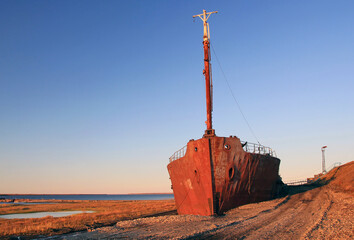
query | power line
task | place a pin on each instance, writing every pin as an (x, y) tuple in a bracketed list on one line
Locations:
[(233, 96)]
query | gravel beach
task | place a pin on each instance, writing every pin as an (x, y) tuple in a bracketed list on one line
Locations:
[(307, 212)]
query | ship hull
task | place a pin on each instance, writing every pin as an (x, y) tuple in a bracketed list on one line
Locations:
[(216, 174)]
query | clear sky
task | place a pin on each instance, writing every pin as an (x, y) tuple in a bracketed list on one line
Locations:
[(95, 96)]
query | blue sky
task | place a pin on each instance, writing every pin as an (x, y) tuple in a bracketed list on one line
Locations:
[(96, 95)]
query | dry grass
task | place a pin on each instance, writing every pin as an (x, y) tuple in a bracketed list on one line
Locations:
[(341, 177), (106, 213)]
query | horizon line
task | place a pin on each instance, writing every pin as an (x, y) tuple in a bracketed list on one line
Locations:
[(5, 194)]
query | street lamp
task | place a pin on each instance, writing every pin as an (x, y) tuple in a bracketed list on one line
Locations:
[(323, 159)]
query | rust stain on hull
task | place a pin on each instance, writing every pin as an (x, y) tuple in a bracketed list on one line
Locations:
[(216, 174)]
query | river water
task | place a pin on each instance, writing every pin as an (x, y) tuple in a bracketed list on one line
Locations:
[(42, 214), (90, 196)]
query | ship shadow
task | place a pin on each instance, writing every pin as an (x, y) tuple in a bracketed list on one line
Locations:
[(286, 191), (292, 190)]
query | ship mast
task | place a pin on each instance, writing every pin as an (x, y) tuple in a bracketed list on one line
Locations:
[(208, 85)]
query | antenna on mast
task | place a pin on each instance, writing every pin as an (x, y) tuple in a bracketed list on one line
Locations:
[(209, 132)]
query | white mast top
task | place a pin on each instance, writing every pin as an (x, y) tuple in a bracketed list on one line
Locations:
[(205, 16)]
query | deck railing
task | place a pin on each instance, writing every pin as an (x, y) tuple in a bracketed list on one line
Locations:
[(257, 148), (296, 182), (248, 147), (178, 154)]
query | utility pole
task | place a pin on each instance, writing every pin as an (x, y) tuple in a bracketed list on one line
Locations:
[(323, 160), (208, 85)]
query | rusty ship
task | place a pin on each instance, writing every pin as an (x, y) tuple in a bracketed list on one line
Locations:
[(214, 174)]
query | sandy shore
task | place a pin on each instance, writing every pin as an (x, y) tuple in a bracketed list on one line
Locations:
[(320, 213), (307, 212)]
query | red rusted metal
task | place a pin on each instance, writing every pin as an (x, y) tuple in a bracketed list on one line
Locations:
[(206, 72), (216, 174)]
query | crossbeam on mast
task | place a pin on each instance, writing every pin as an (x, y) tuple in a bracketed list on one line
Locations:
[(204, 17)]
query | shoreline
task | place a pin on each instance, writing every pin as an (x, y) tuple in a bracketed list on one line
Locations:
[(324, 208), (79, 194), (87, 197)]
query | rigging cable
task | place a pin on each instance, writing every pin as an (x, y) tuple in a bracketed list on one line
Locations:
[(233, 96)]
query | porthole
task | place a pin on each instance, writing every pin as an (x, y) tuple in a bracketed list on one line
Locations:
[(227, 146), (195, 149)]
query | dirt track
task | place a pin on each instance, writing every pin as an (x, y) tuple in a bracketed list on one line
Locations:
[(315, 213)]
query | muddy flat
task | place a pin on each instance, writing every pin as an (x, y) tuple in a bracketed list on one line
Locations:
[(307, 212)]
